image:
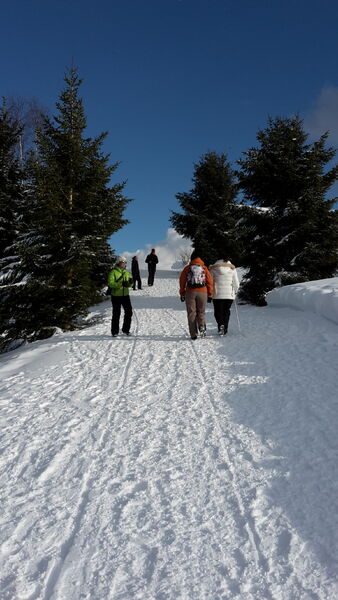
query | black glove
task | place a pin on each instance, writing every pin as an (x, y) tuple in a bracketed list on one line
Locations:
[(182, 298), (209, 299), (125, 284)]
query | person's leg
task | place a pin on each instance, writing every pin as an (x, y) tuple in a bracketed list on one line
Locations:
[(134, 281), (201, 302), (139, 282), (218, 312), (227, 306), (128, 313), (151, 275), (115, 321), (190, 303)]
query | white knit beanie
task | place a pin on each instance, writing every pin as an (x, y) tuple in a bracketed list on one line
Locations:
[(121, 259)]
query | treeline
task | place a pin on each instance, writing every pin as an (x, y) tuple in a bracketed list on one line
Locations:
[(271, 214), (58, 209)]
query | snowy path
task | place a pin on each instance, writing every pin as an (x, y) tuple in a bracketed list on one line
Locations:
[(154, 467)]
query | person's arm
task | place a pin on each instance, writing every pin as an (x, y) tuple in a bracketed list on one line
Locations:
[(209, 282), (112, 284), (211, 271), (183, 281), (235, 281), (127, 279)]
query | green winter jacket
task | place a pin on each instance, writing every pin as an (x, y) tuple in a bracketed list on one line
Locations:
[(116, 278)]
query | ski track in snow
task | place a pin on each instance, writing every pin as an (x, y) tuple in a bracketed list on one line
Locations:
[(157, 468)]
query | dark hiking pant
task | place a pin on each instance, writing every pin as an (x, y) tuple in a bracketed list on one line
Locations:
[(151, 274), (195, 302), (137, 280), (117, 302), (222, 312)]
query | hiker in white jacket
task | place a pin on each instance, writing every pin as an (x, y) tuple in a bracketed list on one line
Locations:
[(225, 286)]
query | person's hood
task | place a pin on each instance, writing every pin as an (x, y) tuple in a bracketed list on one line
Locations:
[(222, 263), (197, 261)]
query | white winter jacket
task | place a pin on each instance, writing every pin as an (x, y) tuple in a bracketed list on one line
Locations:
[(225, 280)]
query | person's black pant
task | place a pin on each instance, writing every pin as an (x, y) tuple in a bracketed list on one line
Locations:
[(117, 302), (137, 280), (151, 274), (222, 312)]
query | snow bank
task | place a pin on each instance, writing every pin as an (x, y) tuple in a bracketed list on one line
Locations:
[(320, 297)]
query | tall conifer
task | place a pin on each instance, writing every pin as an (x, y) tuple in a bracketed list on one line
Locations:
[(11, 199), (210, 212), (10, 179), (291, 234), (71, 210)]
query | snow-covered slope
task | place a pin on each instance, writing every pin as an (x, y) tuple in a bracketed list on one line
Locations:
[(320, 297), (157, 468)]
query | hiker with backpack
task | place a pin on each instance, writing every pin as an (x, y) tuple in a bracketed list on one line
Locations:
[(119, 282), (195, 290), (225, 287), (152, 261)]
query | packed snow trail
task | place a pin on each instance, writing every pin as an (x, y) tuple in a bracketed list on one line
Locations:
[(157, 468)]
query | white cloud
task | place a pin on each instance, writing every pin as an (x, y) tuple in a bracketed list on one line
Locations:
[(324, 116), (169, 251)]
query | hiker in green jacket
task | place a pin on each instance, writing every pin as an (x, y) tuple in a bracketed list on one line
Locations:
[(119, 282)]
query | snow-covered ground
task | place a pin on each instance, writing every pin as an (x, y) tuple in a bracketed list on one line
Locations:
[(157, 468), (320, 297)]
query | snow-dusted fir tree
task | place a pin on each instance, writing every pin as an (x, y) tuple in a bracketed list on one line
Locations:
[(10, 179), (291, 232), (30, 114), (11, 198), (72, 210), (210, 211)]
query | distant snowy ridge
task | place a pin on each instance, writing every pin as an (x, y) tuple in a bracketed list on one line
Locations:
[(320, 297)]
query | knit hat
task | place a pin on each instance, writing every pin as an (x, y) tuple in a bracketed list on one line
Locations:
[(121, 259)]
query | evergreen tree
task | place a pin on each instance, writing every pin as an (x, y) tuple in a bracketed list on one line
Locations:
[(71, 211), (11, 198), (10, 179), (210, 210), (30, 114), (290, 233), (103, 264)]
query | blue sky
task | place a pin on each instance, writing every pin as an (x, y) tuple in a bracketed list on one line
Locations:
[(172, 79)]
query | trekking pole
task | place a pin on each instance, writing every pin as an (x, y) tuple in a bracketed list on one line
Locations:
[(239, 325)]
